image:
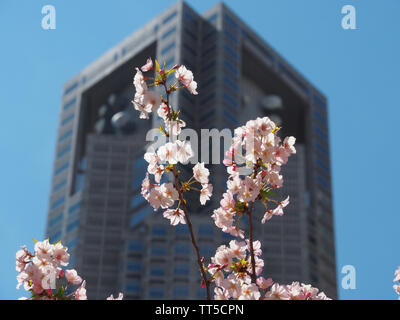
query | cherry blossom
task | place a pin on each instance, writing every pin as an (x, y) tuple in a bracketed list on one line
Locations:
[(201, 173), (185, 76), (72, 276), (176, 216), (148, 66), (120, 297), (80, 293), (40, 273), (396, 287), (205, 193)]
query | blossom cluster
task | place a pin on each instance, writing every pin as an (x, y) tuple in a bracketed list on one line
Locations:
[(43, 273), (253, 162), (163, 161), (396, 279), (231, 271)]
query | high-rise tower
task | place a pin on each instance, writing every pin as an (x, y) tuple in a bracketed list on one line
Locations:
[(116, 241)]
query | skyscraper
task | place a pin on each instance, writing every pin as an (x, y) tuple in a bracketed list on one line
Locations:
[(117, 242)]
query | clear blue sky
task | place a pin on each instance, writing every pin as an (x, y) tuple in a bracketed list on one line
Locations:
[(357, 70)]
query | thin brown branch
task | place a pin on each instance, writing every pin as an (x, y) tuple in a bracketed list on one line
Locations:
[(194, 243), (206, 281)]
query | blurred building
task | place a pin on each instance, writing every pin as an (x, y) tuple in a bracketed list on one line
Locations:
[(117, 242)]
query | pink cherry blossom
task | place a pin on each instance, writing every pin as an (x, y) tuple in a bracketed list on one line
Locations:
[(205, 193), (264, 283), (183, 151), (176, 216), (168, 153), (397, 275), (250, 292), (60, 254), (185, 77), (148, 66), (278, 211), (120, 297), (72, 276), (80, 293), (201, 173)]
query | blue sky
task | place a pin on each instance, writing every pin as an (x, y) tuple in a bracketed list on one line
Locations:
[(356, 69)]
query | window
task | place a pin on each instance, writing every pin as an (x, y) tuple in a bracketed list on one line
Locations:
[(190, 34), (188, 97), (190, 17), (56, 219), (55, 236), (207, 116), (230, 67), (181, 249), (207, 250), (181, 269), (181, 229), (59, 185), (136, 201), (209, 34), (230, 117), (186, 114), (227, 236), (208, 66), (72, 225), (318, 101), (157, 271), (323, 166), (168, 33), (67, 119), (213, 17), (231, 21), (170, 62), (136, 183), (69, 104), (66, 135), (158, 251), (209, 82), (132, 287), (138, 217), (320, 133), (72, 243), (231, 36), (322, 181), (230, 100), (168, 48), (134, 266), (321, 149), (71, 88), (181, 291), (136, 246), (62, 168), (231, 52), (57, 203), (206, 230), (170, 17), (74, 207), (156, 293), (231, 84), (319, 117), (64, 151), (159, 230), (208, 98), (190, 49)]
